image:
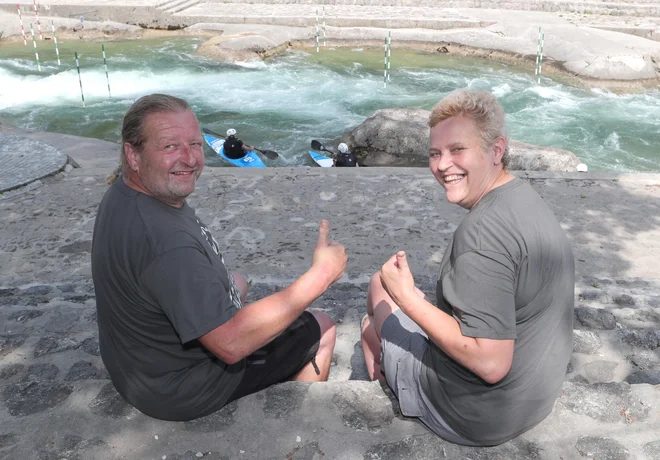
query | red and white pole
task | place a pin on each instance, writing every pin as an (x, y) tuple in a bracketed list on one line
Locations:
[(20, 16), (36, 13)]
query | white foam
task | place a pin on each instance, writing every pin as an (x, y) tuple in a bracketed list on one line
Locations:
[(252, 64), (502, 90), (604, 93), (548, 92), (282, 103), (612, 141)]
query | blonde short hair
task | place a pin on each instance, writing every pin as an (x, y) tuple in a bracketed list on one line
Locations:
[(482, 108)]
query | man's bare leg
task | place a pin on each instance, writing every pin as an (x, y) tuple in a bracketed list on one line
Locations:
[(323, 357)]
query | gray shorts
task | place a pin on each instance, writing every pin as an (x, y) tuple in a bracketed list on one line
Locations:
[(402, 347)]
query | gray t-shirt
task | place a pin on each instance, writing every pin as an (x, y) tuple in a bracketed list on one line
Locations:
[(161, 283), (508, 273)]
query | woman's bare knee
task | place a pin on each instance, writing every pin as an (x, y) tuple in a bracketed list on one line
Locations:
[(371, 348), (374, 286)]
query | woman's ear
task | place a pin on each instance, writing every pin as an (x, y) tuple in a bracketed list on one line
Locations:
[(499, 147)]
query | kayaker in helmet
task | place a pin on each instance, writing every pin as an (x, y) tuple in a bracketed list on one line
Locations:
[(235, 148), (345, 157)]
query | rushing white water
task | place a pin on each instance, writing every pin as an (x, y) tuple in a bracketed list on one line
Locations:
[(283, 103)]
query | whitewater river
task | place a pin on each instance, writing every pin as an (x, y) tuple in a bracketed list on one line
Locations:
[(285, 102)]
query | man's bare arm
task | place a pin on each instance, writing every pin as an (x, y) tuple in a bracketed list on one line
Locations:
[(260, 322)]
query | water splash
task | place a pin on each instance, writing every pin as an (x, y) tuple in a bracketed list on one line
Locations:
[(612, 142)]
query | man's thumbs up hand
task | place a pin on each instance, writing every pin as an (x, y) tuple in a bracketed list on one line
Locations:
[(329, 256)]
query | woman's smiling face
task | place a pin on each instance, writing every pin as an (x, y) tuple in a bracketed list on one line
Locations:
[(458, 161)]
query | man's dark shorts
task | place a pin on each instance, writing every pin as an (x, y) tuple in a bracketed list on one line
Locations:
[(282, 358)]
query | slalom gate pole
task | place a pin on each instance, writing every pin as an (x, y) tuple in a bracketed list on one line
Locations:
[(317, 30), (538, 52), (82, 96), (34, 42), (385, 65), (389, 53), (541, 58), (20, 17), (57, 50), (36, 13), (106, 70), (325, 43)]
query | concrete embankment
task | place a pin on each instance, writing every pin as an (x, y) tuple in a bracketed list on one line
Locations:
[(56, 400)]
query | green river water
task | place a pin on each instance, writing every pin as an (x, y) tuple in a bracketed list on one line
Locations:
[(284, 102)]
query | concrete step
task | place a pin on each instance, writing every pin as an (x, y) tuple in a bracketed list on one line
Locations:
[(181, 6), (547, 5), (307, 20), (165, 4), (614, 8), (170, 5), (56, 399), (300, 15)]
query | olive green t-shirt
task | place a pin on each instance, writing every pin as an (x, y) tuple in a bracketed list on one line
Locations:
[(508, 273)]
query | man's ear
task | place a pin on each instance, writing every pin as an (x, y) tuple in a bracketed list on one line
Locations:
[(499, 147), (132, 156)]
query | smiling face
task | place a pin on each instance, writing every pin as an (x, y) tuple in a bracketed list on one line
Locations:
[(463, 167), (170, 160)]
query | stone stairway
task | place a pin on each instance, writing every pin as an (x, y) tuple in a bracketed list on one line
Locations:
[(175, 6), (640, 18), (50, 371), (304, 15), (616, 320), (57, 402), (641, 8), (636, 17)]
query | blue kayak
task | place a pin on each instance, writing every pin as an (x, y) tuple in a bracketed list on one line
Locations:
[(321, 160), (250, 160)]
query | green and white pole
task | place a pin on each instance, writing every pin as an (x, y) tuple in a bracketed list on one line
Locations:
[(538, 53), (541, 59), (325, 43), (57, 50), (82, 96), (385, 65), (106, 70), (317, 30), (34, 42), (389, 54)]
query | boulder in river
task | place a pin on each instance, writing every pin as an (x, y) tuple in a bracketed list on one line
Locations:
[(400, 137)]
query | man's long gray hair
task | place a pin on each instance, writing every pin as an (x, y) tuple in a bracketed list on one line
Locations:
[(132, 129)]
